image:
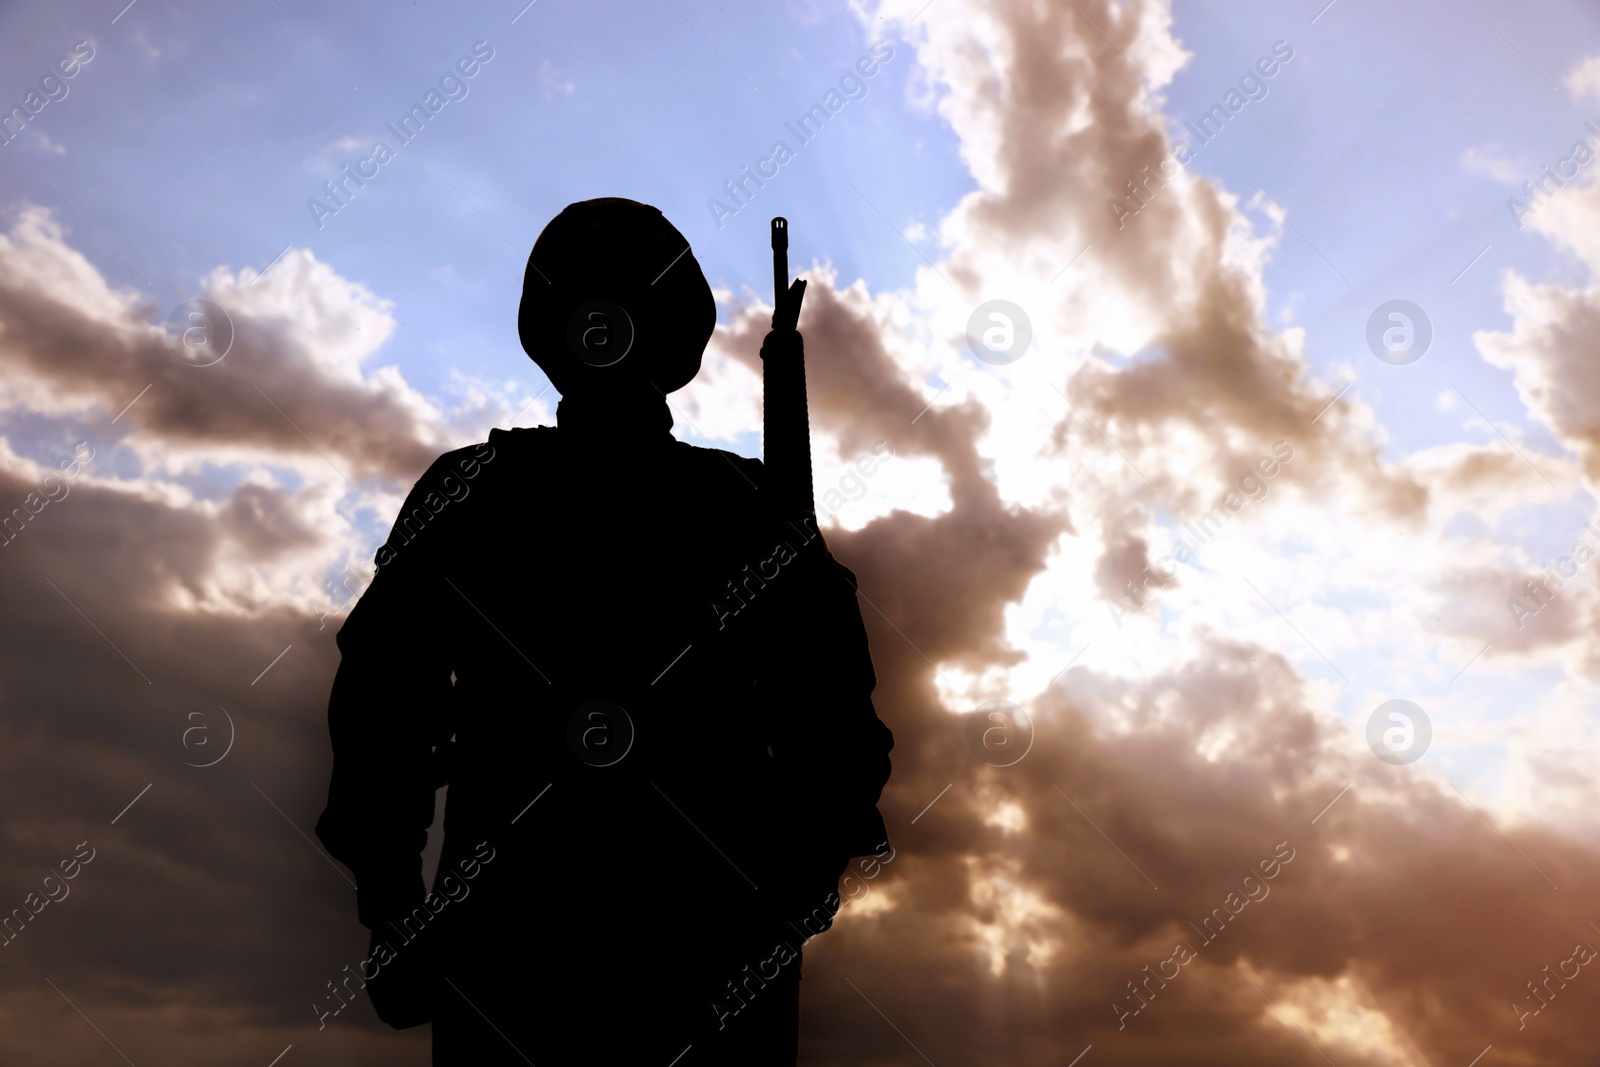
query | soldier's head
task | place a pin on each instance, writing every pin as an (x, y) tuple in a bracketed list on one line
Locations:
[(613, 301)]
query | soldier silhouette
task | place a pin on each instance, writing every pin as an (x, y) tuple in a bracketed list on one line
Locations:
[(647, 686)]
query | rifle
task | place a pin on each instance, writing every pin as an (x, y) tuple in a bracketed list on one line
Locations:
[(786, 430)]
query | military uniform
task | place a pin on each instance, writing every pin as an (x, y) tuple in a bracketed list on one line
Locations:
[(650, 694)]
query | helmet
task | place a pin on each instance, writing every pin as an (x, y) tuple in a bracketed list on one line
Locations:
[(612, 297)]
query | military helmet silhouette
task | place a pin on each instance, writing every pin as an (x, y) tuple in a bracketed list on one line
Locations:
[(613, 299)]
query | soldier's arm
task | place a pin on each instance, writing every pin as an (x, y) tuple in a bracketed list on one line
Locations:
[(390, 707), (830, 748)]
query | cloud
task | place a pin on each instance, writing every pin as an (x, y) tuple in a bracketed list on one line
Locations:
[(1549, 349), (1136, 836), (1583, 80), (292, 383), (1492, 163)]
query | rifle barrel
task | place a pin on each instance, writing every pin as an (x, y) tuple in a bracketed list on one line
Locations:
[(785, 422), (780, 270)]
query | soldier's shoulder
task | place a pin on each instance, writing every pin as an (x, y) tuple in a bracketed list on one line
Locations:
[(469, 461), (518, 441), (517, 447), (720, 462)]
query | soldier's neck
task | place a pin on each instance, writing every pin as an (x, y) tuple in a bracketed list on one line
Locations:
[(633, 418)]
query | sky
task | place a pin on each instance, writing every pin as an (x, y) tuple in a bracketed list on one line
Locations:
[(1196, 533)]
